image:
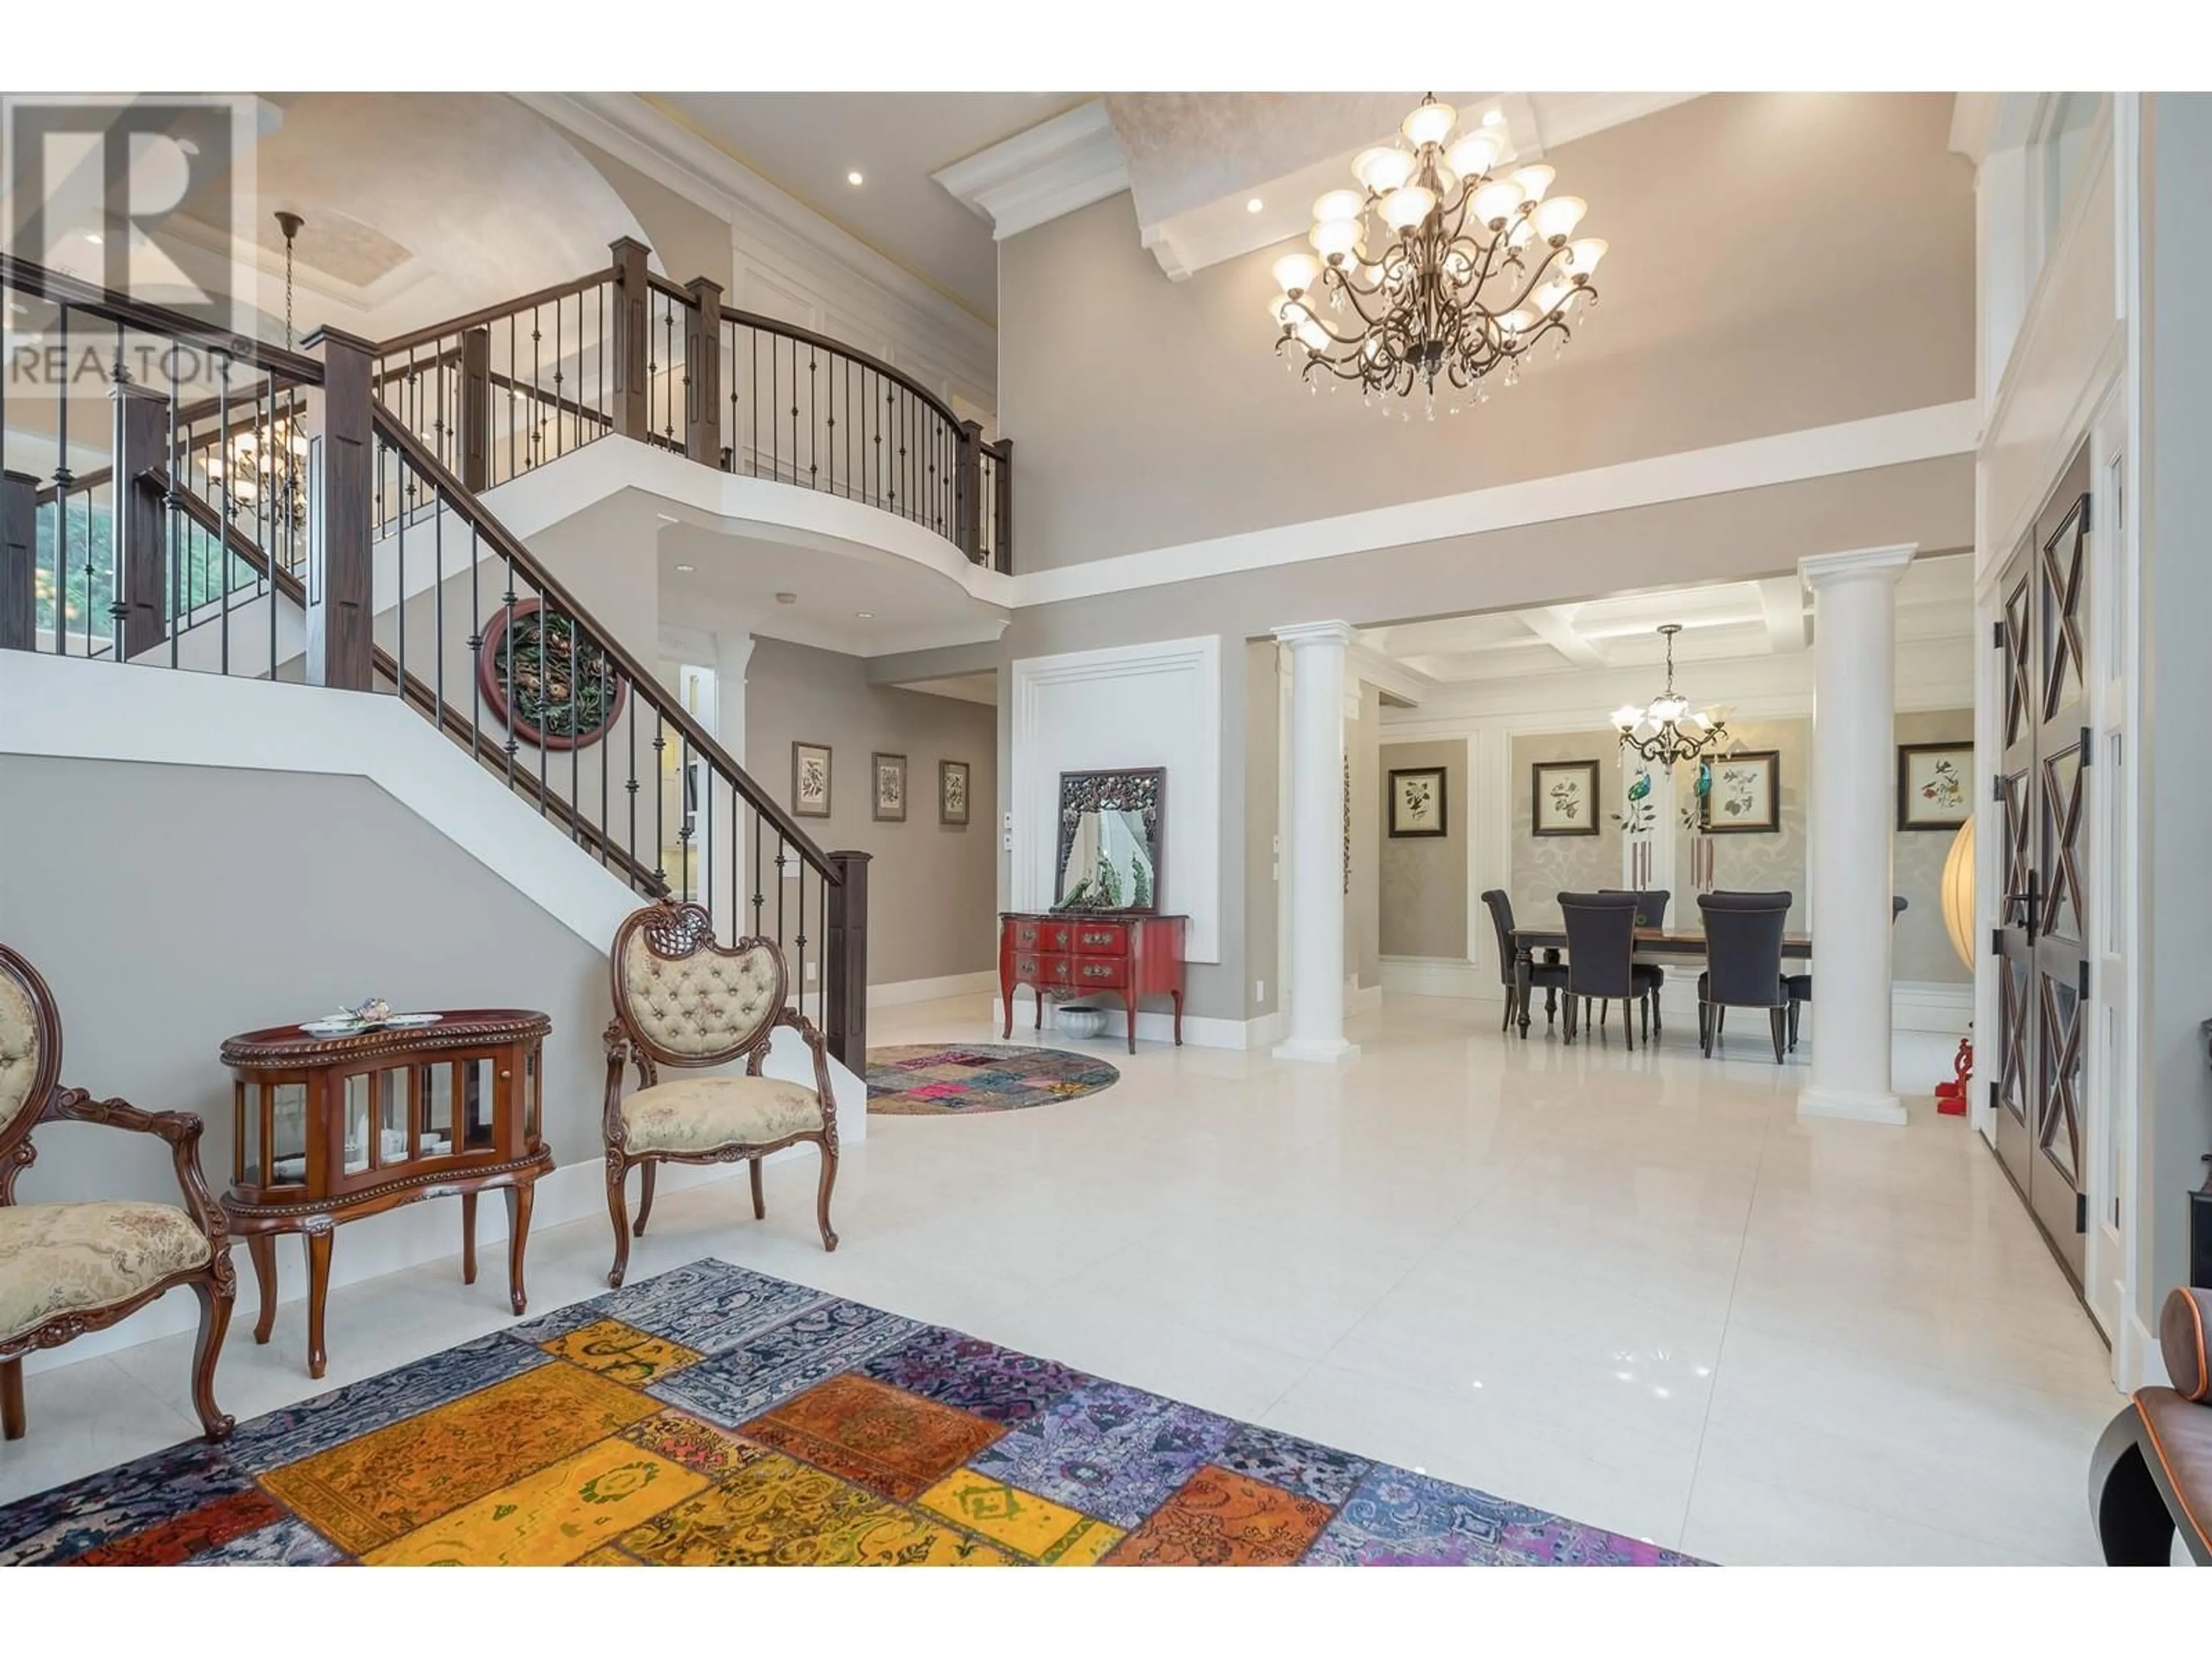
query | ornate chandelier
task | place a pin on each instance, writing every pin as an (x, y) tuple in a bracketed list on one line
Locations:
[(266, 465), (1667, 730), (1464, 268)]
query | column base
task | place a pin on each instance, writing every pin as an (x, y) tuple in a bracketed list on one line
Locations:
[(1859, 1105), (1328, 1051)]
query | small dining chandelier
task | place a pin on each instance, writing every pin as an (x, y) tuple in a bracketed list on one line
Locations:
[(264, 468), (1443, 266), (1667, 730)]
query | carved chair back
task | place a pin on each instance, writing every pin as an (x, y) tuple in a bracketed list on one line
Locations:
[(1601, 943), (685, 1000), (30, 1056)]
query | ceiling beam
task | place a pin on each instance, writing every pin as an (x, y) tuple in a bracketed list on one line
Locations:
[(1401, 680), (1555, 626), (1782, 599)]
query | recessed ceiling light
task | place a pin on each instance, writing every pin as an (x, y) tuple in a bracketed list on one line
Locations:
[(853, 178), (93, 237), (1491, 117), (685, 570), (865, 615), (786, 598), (1254, 205), (665, 517)]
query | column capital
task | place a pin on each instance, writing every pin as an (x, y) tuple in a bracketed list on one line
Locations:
[(1316, 633), (1819, 569)]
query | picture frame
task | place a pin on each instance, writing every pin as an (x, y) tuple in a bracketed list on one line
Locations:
[(1934, 785), (952, 796), (1564, 799), (887, 795), (810, 780), (1746, 797), (1419, 806)]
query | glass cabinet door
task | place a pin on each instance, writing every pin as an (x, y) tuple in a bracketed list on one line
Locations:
[(440, 1084), (286, 1135), (353, 1155)]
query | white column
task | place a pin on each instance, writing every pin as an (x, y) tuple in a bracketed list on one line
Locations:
[(1315, 958), (1854, 758)]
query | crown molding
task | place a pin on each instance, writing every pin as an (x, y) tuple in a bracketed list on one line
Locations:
[(1054, 168), (761, 214)]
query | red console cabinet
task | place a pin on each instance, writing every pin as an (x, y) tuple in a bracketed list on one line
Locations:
[(1081, 953)]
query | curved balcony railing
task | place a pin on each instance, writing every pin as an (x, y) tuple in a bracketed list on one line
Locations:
[(176, 497), (621, 351)]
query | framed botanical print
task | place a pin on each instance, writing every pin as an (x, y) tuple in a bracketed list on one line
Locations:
[(810, 780), (889, 772), (1934, 785), (1417, 802), (952, 792), (1745, 796), (1562, 798)]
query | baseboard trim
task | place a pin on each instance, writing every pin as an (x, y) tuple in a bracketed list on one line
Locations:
[(412, 1237), (1439, 977), (1854, 1105), (1362, 999), (903, 991), (1199, 1030)]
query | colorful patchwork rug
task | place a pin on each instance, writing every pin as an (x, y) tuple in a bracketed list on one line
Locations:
[(714, 1416), (930, 1079)]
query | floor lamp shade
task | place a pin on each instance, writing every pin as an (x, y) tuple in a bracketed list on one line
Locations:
[(1958, 893)]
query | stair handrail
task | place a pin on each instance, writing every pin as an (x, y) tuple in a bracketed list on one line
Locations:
[(484, 315), (28, 276), (643, 683)]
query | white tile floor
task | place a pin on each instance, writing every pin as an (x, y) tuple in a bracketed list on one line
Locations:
[(1632, 1288)]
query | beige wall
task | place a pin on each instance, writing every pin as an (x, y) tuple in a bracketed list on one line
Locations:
[(932, 894), (689, 240), (1423, 880), (1778, 261), (1544, 867), (1921, 950), (1757, 862)]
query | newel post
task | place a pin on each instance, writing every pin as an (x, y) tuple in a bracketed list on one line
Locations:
[(847, 961), (1002, 520), (967, 492), (140, 530), (341, 572), (19, 561), (703, 372), (633, 330), (476, 410)]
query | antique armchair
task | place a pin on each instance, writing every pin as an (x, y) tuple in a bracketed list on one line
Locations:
[(72, 1267), (683, 1000)]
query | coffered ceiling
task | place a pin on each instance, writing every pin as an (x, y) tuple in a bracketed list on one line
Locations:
[(1726, 621)]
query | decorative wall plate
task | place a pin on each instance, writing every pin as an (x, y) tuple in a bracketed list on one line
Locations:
[(567, 690)]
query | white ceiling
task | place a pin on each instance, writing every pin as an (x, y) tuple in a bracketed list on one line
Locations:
[(806, 143), (1726, 621)]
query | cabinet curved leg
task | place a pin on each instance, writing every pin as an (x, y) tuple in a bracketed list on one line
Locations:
[(1130, 1002), (1177, 995), (1039, 1009), (520, 1197), (318, 1292), (262, 1247), (468, 1238), (1006, 995)]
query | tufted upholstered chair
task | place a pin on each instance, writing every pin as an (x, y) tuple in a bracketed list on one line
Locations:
[(681, 1001), (72, 1267)]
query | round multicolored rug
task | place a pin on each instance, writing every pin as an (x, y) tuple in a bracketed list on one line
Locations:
[(932, 1079)]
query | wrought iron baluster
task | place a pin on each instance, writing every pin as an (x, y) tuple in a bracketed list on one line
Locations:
[(575, 731), (507, 650), (760, 898), (229, 504), (683, 810), (659, 802), (179, 550), (476, 648)]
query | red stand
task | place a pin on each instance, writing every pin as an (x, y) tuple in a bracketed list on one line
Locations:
[(1951, 1098)]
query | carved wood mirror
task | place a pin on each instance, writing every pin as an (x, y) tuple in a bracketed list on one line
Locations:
[(1112, 826)]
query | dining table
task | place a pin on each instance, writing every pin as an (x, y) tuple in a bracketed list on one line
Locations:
[(1685, 944)]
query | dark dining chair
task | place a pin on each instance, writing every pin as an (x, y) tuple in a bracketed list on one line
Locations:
[(1799, 986), (1650, 912), (1743, 962), (1600, 947), (1551, 975)]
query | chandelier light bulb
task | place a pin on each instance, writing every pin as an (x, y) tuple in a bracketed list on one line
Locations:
[(1338, 204), (1496, 203), (1407, 206), (1383, 169), (1334, 238), (1431, 123), (1556, 219), (1295, 272), (1286, 310), (1314, 334), (1625, 718), (1534, 181), (1583, 257), (1552, 296), (1515, 322), (1472, 154)]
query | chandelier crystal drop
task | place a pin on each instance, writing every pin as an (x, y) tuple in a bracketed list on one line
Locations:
[(1667, 730), (1447, 263)]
